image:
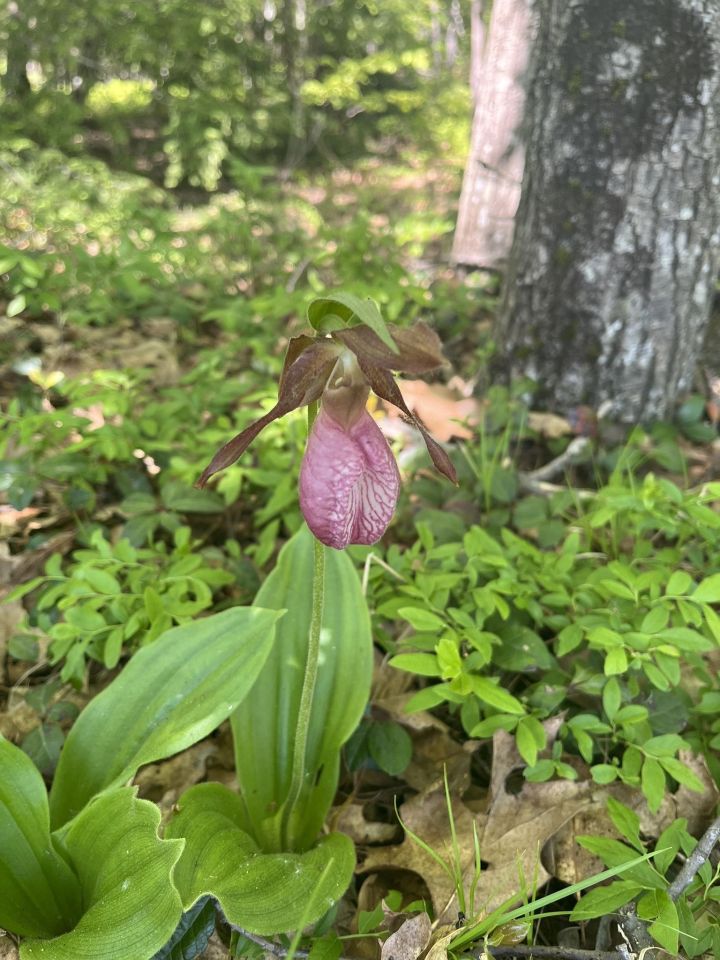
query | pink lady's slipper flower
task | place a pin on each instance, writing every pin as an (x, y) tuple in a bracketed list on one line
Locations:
[(349, 480)]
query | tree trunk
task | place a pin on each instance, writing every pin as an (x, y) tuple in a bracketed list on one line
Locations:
[(615, 256), (491, 186)]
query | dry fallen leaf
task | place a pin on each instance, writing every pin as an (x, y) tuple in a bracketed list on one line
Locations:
[(444, 935), (549, 425), (11, 615), (512, 834), (164, 782), (443, 411), (8, 950), (409, 941), (351, 820)]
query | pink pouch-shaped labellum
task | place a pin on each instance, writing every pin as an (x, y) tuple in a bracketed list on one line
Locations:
[(349, 481)]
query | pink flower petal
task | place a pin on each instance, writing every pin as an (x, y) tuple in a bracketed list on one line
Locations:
[(349, 481)]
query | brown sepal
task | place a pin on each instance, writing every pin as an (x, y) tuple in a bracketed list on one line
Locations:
[(383, 384), (419, 347), (302, 381)]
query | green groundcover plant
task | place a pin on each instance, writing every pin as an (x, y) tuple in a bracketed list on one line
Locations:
[(85, 871)]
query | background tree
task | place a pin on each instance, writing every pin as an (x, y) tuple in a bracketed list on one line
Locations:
[(491, 185), (615, 255)]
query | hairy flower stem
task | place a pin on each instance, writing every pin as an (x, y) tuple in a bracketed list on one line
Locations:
[(309, 680)]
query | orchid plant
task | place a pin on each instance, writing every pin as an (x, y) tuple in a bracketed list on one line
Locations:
[(83, 871), (349, 481)]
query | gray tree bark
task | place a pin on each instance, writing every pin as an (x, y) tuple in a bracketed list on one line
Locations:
[(493, 174), (617, 236)]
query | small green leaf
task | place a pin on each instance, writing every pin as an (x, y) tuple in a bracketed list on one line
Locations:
[(423, 664), (656, 905), (428, 698), (615, 661), (16, 305), (604, 773), (666, 745), (612, 698), (390, 747), (614, 854), (183, 499), (653, 783), (526, 745), (604, 900), (328, 947), (678, 584), (713, 621), (43, 746), (495, 696), (101, 581), (708, 590), (683, 774), (170, 695), (626, 822), (569, 638), (421, 619), (24, 646), (656, 620), (500, 721), (448, 658)]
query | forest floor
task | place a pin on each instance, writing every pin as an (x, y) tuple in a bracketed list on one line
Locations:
[(137, 323)]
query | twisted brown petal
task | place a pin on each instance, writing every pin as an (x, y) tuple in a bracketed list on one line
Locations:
[(302, 381), (419, 347), (383, 384)]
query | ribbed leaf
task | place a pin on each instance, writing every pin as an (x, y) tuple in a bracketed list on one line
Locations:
[(39, 893), (125, 871), (263, 893), (170, 695), (264, 725)]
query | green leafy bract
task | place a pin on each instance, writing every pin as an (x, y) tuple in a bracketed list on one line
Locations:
[(39, 893), (264, 725), (130, 904), (263, 893), (170, 695), (326, 314)]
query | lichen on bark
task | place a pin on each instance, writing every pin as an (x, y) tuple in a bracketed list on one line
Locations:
[(615, 254)]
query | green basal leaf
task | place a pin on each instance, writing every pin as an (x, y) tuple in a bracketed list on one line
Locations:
[(325, 312), (264, 893), (125, 871), (39, 893), (264, 725), (170, 695)]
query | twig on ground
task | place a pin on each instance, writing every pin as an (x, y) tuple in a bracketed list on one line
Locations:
[(696, 859), (276, 949), (535, 481), (549, 953), (552, 953)]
